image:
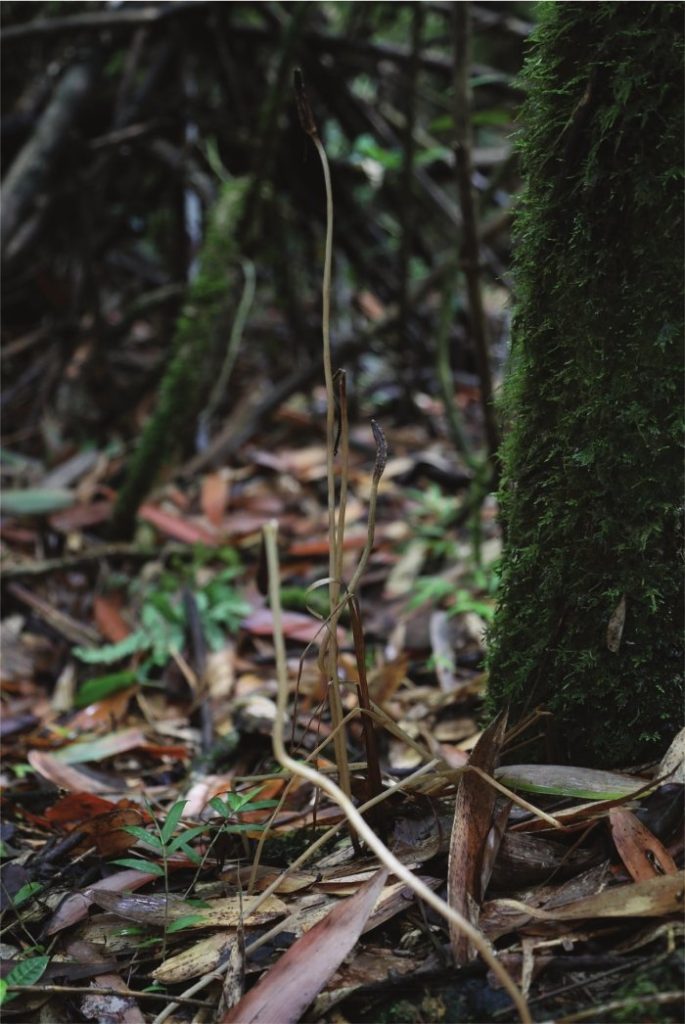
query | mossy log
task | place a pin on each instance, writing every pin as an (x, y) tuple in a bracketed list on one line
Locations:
[(193, 356), (590, 615)]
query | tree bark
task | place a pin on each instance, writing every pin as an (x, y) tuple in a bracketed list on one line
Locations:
[(32, 167), (589, 622)]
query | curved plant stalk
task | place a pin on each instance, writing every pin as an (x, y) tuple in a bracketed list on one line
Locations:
[(353, 816), (256, 903), (329, 649)]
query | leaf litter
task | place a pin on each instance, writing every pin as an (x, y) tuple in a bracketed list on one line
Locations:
[(544, 893)]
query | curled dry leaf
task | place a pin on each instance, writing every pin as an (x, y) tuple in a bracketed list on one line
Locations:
[(473, 813), (672, 767), (642, 853)]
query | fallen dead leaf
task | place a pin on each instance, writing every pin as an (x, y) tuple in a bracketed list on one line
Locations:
[(75, 907), (157, 910), (67, 777), (200, 958), (473, 811), (642, 853), (289, 987)]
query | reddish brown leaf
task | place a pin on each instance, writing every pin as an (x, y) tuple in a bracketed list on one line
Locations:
[(214, 496), (641, 852), (296, 625), (108, 618), (297, 978), (179, 529), (319, 548), (106, 831), (80, 516), (69, 810), (473, 812)]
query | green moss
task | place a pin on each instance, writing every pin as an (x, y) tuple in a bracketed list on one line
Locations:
[(191, 363), (592, 467)]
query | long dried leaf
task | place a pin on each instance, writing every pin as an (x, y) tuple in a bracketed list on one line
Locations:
[(473, 813), (288, 988), (66, 776), (75, 907), (157, 910), (656, 897)]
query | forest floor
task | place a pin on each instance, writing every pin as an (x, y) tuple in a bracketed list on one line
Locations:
[(157, 860), (159, 863)]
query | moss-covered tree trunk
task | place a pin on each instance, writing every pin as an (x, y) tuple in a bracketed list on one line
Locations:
[(589, 623), (193, 361)]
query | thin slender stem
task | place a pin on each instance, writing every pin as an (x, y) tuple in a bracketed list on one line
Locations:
[(353, 816), (470, 248), (330, 646)]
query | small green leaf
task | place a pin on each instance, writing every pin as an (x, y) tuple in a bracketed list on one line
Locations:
[(191, 854), (148, 866), (258, 805), (95, 689), (28, 972), (26, 892), (243, 827), (172, 820), (189, 921), (149, 838), (137, 641), (220, 807), (3, 991), (190, 833)]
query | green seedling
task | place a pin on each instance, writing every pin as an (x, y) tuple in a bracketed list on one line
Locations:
[(163, 628), (26, 893), (26, 972)]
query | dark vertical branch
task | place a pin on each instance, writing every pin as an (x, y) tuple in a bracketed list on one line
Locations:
[(470, 249), (277, 95), (407, 206)]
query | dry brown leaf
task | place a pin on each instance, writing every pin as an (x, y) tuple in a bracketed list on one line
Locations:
[(297, 978), (200, 958), (214, 496), (642, 853), (155, 909), (656, 897), (108, 618), (527, 859), (111, 1009), (672, 767), (75, 907), (473, 812), (66, 776)]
